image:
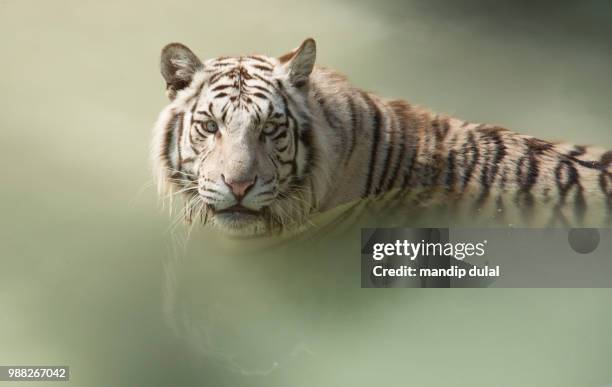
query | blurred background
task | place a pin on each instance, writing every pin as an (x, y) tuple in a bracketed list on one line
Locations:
[(91, 275)]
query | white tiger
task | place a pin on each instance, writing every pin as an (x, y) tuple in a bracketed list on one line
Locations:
[(258, 145)]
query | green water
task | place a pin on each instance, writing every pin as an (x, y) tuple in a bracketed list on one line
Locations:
[(90, 276)]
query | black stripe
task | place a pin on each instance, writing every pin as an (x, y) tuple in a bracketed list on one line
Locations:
[(259, 59), (390, 153), (223, 64), (416, 148), (352, 129), (215, 77), (401, 146), (199, 131), (168, 139), (290, 119), (306, 140), (470, 148), (197, 99), (525, 176), (527, 171), (566, 177), (286, 162), (491, 167), (329, 115), (179, 157), (264, 80), (221, 87), (591, 164), (435, 167), (296, 139), (376, 121), (282, 134), (264, 68), (193, 112), (566, 168), (260, 88), (450, 170), (260, 95), (224, 111)]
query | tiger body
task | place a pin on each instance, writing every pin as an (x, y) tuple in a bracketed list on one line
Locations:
[(258, 144)]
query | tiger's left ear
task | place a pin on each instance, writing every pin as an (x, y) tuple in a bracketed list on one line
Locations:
[(300, 62), (178, 65)]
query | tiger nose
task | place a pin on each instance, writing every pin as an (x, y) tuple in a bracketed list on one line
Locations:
[(239, 187)]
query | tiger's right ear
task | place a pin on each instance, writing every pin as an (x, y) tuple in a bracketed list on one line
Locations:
[(300, 62), (178, 64)]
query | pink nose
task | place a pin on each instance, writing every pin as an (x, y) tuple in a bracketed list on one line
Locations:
[(239, 187)]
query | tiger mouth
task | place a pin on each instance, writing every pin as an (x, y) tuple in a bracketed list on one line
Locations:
[(238, 210)]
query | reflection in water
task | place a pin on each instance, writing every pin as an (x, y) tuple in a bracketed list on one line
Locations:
[(254, 306), (247, 304)]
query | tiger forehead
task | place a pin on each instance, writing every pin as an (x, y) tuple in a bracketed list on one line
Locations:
[(257, 64), (235, 77), (240, 89)]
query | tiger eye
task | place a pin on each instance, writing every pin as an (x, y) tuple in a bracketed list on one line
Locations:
[(269, 128), (211, 126)]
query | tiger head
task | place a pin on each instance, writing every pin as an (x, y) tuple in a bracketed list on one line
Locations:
[(236, 139)]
